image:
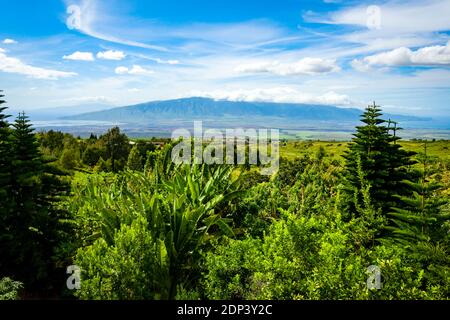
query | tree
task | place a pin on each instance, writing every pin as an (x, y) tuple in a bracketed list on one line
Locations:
[(5, 157), (384, 163), (421, 227), (69, 158), (91, 155), (134, 159), (117, 147), (31, 226)]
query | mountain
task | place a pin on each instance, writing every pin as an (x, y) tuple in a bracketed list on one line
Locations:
[(60, 112), (208, 109)]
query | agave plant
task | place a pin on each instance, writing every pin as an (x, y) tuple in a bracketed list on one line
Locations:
[(180, 204)]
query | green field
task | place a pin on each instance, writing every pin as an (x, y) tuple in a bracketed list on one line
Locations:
[(335, 149)]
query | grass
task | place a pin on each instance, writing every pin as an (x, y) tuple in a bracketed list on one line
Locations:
[(335, 149)]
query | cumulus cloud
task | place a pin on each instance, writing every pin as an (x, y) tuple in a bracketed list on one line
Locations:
[(135, 70), (305, 66), (9, 41), (278, 94), (14, 65), (426, 56), (80, 56), (111, 55)]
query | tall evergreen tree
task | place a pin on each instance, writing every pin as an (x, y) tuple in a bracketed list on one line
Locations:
[(420, 217), (31, 226), (6, 204), (383, 161), (422, 227), (5, 156)]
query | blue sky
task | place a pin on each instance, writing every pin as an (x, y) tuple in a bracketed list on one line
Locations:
[(346, 53)]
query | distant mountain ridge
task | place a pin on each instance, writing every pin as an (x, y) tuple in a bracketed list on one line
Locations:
[(60, 112), (205, 108)]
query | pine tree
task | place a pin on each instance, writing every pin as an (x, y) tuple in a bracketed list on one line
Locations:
[(384, 163), (6, 203), (421, 227), (32, 224), (420, 217), (5, 156), (134, 159)]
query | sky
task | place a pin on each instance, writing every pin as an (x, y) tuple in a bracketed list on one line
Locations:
[(120, 52)]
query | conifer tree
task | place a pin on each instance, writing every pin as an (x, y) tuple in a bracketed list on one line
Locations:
[(420, 217), (32, 223), (422, 227), (384, 163), (6, 204), (5, 156)]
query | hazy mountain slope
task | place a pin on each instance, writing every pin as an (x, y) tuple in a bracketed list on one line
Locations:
[(188, 109)]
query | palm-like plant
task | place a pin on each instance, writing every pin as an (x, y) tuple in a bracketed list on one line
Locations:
[(180, 204)]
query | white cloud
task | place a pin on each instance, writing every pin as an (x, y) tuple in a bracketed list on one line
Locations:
[(2, 50), (409, 23), (88, 99), (426, 56), (135, 70), (111, 55), (14, 65), (305, 66), (9, 41), (278, 94), (171, 62), (86, 16), (122, 70), (80, 56), (134, 90), (398, 17)]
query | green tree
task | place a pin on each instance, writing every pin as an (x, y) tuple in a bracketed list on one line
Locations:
[(32, 225), (5, 158), (69, 158), (384, 163), (422, 227), (91, 155), (117, 148), (134, 159)]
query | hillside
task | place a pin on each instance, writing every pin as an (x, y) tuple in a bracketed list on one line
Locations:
[(204, 108)]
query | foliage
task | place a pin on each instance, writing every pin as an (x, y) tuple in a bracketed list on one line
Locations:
[(9, 289), (141, 227), (134, 162), (183, 211)]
